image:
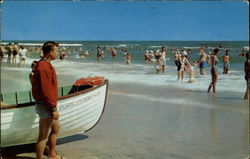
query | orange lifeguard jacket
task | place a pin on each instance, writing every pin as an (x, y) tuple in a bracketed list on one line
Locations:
[(96, 80)]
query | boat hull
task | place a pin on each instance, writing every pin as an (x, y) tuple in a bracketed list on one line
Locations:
[(79, 113)]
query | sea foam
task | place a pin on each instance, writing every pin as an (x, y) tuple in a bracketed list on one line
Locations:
[(145, 74), (136, 73)]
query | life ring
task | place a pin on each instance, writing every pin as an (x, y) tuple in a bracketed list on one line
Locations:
[(96, 80)]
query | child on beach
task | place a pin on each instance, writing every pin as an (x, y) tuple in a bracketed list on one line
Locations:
[(158, 67), (192, 72)]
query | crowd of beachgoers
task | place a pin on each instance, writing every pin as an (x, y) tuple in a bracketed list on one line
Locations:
[(16, 54)]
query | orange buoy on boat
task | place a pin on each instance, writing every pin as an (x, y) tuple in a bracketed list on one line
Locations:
[(96, 80)]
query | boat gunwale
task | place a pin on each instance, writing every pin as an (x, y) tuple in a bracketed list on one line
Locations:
[(21, 105)]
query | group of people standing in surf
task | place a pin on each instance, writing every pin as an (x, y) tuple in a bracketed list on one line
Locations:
[(15, 54), (159, 58), (183, 64), (101, 53), (182, 61)]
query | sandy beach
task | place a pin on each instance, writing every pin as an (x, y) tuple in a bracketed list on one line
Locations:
[(145, 122)]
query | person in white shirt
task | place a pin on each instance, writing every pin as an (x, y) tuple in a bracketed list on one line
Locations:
[(184, 52), (23, 52), (163, 58)]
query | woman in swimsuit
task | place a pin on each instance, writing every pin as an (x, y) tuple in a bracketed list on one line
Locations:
[(214, 71)]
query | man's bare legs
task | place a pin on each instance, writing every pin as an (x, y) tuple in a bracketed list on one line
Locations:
[(53, 138), (44, 127)]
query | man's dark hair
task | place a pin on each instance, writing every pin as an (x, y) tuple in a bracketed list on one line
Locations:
[(48, 46)]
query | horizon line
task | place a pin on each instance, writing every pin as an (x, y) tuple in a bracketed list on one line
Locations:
[(131, 40)]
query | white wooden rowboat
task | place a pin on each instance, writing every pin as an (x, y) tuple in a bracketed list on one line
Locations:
[(79, 112)]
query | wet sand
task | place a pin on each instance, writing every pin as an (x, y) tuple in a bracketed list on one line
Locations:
[(146, 122)]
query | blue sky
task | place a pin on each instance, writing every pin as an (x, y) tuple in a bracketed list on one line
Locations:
[(124, 20)]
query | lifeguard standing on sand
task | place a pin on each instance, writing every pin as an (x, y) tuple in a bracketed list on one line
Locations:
[(44, 90)]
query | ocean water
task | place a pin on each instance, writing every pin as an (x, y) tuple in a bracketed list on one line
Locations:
[(138, 48), (116, 70)]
